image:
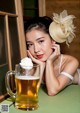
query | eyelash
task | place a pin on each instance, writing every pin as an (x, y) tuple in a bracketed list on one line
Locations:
[(41, 41), (28, 45)]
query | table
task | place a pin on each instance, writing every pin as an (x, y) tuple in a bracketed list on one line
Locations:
[(67, 101)]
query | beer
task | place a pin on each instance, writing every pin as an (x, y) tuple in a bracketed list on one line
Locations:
[(27, 81), (27, 92)]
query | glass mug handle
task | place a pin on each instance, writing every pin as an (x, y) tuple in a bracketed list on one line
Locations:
[(7, 83)]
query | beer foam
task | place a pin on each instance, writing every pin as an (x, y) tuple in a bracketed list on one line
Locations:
[(26, 63), (27, 77)]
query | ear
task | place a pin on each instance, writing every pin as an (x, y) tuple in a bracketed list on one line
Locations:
[(53, 42)]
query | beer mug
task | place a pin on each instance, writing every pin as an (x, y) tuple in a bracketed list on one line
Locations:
[(27, 83)]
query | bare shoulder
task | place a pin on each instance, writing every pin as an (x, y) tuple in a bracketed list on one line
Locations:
[(71, 59), (70, 62)]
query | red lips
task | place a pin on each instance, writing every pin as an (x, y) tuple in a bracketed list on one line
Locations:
[(39, 56)]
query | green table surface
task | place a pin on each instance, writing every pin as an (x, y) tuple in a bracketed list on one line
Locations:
[(67, 101)]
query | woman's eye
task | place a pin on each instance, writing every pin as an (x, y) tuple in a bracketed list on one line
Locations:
[(29, 45), (41, 41)]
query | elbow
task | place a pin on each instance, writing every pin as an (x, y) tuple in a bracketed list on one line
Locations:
[(53, 92)]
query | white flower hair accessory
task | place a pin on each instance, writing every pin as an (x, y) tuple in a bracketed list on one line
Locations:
[(62, 28)]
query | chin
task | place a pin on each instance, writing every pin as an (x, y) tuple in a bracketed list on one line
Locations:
[(43, 60)]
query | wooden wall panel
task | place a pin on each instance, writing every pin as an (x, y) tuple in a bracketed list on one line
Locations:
[(73, 7)]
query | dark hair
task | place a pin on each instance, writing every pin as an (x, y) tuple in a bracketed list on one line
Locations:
[(41, 23)]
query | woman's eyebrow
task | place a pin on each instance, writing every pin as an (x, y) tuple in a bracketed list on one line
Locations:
[(28, 41), (36, 40), (40, 38)]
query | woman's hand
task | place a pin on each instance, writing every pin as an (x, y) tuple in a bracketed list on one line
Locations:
[(55, 53), (42, 64), (35, 60)]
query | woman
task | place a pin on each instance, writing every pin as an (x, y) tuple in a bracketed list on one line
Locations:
[(57, 70)]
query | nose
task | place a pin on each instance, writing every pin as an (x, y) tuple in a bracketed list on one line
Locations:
[(36, 48)]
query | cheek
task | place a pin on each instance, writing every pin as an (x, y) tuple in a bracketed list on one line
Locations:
[(47, 46), (32, 52)]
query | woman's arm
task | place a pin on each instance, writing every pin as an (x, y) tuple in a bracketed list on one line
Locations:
[(41, 64), (55, 84)]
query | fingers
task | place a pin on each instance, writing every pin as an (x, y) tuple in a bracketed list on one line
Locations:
[(34, 59), (56, 48), (56, 52), (29, 54)]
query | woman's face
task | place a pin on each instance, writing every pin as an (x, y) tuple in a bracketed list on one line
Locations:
[(39, 44)]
